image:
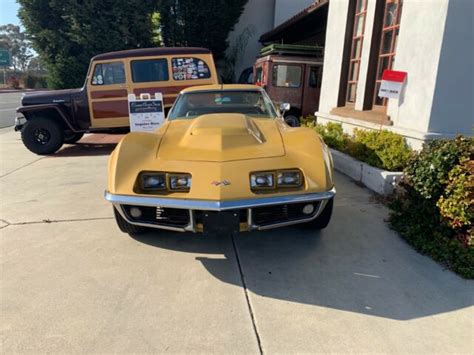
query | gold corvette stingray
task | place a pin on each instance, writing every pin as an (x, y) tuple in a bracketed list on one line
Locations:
[(224, 161)]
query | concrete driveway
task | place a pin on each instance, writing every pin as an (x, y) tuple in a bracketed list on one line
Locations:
[(72, 282)]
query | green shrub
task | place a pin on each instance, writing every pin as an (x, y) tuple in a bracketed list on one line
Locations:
[(382, 149), (456, 204), (434, 212), (308, 121), (428, 171), (333, 135)]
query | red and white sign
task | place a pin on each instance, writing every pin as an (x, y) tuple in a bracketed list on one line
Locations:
[(392, 83)]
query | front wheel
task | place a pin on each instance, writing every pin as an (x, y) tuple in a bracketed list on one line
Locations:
[(72, 137), (292, 121), (323, 219), (126, 227), (42, 136)]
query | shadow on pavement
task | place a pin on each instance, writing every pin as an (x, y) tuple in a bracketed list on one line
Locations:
[(356, 269), (85, 149), (91, 145)]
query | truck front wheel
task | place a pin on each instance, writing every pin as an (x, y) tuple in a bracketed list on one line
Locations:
[(72, 137), (42, 136)]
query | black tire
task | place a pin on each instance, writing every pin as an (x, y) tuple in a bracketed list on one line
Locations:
[(71, 137), (323, 219), (42, 136), (126, 227), (292, 121)]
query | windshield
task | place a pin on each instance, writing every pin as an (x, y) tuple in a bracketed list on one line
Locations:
[(250, 103)]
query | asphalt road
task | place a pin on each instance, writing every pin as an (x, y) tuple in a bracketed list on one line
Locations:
[(8, 104), (71, 282)]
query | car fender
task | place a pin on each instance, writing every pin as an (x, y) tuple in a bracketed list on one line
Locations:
[(309, 152), (127, 157), (28, 110)]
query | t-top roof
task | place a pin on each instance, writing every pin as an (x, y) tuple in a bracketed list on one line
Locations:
[(223, 87), (150, 52)]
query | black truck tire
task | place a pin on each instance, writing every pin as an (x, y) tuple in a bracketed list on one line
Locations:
[(126, 227), (42, 136), (323, 219), (292, 120), (72, 137)]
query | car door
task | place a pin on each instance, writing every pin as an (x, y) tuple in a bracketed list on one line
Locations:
[(107, 94)]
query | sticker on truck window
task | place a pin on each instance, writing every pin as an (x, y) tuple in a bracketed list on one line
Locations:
[(186, 68)]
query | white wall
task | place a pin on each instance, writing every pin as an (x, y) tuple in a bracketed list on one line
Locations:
[(258, 15), (284, 9), (336, 28), (418, 50), (452, 110)]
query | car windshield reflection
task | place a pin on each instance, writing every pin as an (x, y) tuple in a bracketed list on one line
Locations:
[(251, 103)]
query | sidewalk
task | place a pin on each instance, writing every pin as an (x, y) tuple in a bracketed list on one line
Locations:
[(72, 282)]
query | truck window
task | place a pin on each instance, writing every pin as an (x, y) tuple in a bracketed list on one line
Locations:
[(315, 76), (288, 76), (189, 68), (108, 74), (149, 70)]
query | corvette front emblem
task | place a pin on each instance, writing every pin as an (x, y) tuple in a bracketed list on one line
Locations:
[(223, 182)]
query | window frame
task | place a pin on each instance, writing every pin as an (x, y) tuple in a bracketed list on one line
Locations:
[(390, 55), (149, 60), (352, 58), (288, 65)]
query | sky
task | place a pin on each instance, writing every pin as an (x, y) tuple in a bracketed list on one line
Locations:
[(8, 12)]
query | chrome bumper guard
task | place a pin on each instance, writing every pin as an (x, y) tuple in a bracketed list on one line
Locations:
[(206, 205)]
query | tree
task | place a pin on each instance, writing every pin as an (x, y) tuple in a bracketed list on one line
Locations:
[(36, 65), (15, 40), (200, 23), (67, 33)]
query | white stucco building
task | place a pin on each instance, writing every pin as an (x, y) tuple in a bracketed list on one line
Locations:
[(431, 40), (262, 16)]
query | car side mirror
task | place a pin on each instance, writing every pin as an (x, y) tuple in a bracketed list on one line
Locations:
[(284, 106)]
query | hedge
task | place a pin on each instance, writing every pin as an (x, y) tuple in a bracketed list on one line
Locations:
[(382, 149)]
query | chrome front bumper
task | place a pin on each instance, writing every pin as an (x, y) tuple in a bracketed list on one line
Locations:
[(206, 205), (19, 123)]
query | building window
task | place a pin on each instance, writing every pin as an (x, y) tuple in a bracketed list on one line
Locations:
[(388, 43), (356, 49)]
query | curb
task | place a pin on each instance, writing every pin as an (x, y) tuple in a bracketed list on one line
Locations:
[(380, 181)]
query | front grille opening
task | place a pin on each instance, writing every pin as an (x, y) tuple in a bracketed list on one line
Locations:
[(267, 215), (242, 215), (171, 217)]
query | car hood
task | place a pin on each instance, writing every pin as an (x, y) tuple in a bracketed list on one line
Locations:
[(221, 137), (48, 97)]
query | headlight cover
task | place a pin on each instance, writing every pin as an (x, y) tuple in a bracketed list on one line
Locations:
[(152, 181), (264, 180), (162, 181), (180, 182), (289, 178)]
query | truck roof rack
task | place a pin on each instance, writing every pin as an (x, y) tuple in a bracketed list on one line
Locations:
[(293, 49)]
